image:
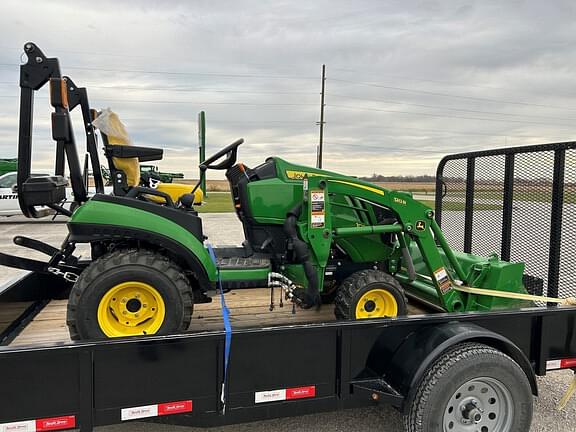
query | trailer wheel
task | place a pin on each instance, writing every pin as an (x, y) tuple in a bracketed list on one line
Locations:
[(471, 387), (128, 293), (369, 294)]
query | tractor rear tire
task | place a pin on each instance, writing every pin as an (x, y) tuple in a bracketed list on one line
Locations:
[(471, 386), (369, 294), (129, 292)]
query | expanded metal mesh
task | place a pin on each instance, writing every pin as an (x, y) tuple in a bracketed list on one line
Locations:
[(531, 216), (453, 202), (567, 272), (538, 228), (487, 207)]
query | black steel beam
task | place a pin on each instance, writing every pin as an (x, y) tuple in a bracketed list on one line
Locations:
[(556, 223), (507, 201), (469, 205)]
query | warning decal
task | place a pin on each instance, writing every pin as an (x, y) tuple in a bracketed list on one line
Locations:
[(44, 424), (317, 209), (285, 394), (156, 410), (443, 280)]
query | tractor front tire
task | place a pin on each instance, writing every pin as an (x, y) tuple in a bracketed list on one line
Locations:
[(369, 294), (129, 292)]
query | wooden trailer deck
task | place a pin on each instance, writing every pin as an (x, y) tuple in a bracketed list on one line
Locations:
[(248, 308), (10, 312)]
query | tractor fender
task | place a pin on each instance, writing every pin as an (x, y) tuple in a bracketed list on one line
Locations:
[(421, 348), (189, 259), (111, 217)]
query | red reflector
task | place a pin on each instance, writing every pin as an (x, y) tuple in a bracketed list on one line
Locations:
[(300, 392), (174, 407), (567, 363), (56, 423)]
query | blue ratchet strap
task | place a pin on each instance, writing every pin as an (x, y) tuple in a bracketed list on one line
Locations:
[(227, 327)]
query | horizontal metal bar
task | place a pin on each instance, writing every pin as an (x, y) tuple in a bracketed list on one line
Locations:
[(365, 230)]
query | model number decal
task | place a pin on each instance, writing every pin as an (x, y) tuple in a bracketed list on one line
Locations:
[(299, 175), (399, 201)]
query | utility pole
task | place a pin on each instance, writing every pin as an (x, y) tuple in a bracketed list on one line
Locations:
[(321, 122), (202, 146)]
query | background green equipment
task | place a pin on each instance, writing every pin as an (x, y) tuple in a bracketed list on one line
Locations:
[(8, 165)]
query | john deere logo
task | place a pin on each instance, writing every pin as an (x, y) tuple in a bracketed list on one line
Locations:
[(420, 225)]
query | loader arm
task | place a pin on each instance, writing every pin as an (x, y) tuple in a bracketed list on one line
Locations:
[(415, 230)]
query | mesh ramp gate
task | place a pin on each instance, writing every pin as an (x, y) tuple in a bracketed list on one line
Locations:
[(518, 202)]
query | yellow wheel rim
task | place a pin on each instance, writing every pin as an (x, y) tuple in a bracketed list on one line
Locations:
[(376, 303), (130, 309)]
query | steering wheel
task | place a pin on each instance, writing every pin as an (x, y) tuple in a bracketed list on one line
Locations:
[(231, 153)]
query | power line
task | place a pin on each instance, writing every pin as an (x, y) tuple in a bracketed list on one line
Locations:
[(444, 116), (183, 102), (450, 95), (156, 72), (450, 109), (180, 89), (405, 78), (386, 149), (454, 133)]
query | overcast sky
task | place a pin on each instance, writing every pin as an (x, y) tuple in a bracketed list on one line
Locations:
[(407, 81)]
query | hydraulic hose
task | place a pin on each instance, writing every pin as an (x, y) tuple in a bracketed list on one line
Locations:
[(301, 255)]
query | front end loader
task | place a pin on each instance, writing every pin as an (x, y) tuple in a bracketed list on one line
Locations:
[(319, 236)]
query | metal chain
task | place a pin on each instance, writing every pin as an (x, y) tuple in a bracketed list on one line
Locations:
[(69, 276)]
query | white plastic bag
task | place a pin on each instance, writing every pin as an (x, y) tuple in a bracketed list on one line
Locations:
[(109, 123)]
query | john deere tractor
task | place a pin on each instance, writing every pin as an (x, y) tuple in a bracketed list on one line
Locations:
[(318, 235)]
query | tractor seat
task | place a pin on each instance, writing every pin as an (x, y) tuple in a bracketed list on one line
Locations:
[(124, 163)]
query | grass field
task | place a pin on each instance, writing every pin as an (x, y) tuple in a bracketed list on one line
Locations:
[(521, 194), (421, 187), (216, 202), (460, 206), (221, 202)]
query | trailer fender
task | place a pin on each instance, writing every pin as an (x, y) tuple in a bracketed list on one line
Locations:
[(417, 353)]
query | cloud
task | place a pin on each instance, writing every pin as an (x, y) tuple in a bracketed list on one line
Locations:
[(408, 81)]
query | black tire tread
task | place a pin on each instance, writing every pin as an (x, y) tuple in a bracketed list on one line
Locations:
[(413, 419), (116, 258), (355, 282)]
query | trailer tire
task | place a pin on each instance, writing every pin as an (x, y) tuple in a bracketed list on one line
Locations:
[(369, 294), (140, 288), (471, 381)]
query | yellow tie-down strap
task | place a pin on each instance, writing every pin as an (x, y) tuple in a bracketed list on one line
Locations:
[(569, 301), (569, 393)]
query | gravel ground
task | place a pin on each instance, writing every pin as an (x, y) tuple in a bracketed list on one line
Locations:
[(224, 229)]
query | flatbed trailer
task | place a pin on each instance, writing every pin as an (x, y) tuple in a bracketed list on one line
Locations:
[(283, 364)]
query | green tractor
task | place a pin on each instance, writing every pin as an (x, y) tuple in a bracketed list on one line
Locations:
[(8, 165), (319, 236)]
